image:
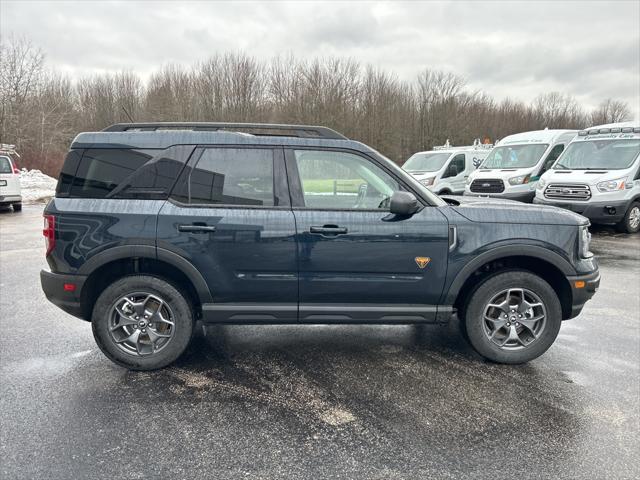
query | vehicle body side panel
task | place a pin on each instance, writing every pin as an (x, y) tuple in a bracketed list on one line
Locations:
[(86, 227)]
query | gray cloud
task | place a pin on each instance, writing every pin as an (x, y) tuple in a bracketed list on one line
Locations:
[(517, 49)]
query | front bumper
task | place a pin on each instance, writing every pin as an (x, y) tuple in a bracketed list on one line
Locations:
[(582, 294), (53, 287), (597, 212), (525, 197)]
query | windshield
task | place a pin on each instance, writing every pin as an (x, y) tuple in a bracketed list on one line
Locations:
[(599, 154), (426, 162), (515, 156)]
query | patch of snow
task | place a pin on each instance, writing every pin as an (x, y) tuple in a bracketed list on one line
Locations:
[(36, 186)]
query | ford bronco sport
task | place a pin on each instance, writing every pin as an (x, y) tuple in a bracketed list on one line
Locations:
[(156, 226)]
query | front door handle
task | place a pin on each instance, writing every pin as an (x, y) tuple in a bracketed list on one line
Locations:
[(329, 230), (196, 228)]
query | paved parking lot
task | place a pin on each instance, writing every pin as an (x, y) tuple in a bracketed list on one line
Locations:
[(317, 401)]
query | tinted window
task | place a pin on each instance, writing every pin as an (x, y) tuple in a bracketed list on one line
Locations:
[(230, 176), (340, 180), (458, 163), (68, 172), (103, 170), (5, 165)]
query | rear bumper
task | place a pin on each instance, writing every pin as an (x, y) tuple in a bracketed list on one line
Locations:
[(582, 295), (10, 199), (526, 197), (53, 287), (597, 212)]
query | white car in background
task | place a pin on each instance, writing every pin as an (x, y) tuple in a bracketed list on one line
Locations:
[(10, 192), (445, 169), (516, 163), (598, 176)]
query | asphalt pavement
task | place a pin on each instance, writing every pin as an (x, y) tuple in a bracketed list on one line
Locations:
[(314, 402)]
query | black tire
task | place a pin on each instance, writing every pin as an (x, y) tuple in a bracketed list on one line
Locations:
[(175, 300), (17, 207), (625, 225), (445, 192), (473, 323)]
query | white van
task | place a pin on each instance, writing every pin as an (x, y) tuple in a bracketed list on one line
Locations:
[(598, 176), (10, 192), (516, 163), (445, 169)]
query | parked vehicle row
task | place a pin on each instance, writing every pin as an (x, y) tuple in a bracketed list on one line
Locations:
[(156, 226), (595, 172), (10, 192)]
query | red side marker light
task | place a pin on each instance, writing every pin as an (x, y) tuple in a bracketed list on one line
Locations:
[(69, 287)]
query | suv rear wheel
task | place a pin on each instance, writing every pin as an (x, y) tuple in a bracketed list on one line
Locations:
[(142, 322), (512, 317), (630, 223)]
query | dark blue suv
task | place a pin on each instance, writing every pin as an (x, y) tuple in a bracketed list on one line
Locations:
[(156, 226)]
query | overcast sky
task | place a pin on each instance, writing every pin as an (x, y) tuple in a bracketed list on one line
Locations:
[(519, 49)]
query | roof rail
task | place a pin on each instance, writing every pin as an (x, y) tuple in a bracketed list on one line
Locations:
[(305, 131)]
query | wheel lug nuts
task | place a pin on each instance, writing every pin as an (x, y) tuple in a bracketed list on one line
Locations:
[(144, 330)]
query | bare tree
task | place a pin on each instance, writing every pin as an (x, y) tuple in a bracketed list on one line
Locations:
[(610, 111), (42, 110)]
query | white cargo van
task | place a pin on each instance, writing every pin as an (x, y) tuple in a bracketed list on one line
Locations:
[(516, 163), (445, 169), (10, 192), (598, 176)]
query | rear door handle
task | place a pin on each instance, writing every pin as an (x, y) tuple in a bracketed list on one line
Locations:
[(195, 228), (329, 230)]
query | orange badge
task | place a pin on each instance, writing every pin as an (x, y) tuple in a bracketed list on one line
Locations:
[(422, 261)]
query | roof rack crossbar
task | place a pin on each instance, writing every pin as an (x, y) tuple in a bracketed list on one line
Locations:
[(288, 130)]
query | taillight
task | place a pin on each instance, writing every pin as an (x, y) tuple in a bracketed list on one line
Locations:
[(49, 233), (16, 170)]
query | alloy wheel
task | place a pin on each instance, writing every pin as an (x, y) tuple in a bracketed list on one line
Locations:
[(141, 324), (514, 318)]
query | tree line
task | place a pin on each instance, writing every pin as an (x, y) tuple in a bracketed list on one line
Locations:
[(43, 109)]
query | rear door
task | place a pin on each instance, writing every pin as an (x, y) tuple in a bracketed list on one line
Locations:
[(9, 181), (357, 262), (230, 216)]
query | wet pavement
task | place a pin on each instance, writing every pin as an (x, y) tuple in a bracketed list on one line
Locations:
[(317, 401)]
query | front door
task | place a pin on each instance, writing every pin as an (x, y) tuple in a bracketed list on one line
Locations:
[(357, 262), (230, 216)]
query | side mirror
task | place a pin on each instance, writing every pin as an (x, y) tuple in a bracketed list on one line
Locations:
[(403, 203)]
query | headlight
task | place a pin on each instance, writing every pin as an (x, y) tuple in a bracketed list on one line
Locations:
[(613, 185), (468, 180), (519, 180), (541, 184), (427, 182), (585, 240)]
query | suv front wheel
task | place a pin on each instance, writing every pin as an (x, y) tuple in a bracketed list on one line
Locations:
[(512, 317), (142, 322)]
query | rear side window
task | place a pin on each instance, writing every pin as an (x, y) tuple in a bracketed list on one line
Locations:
[(122, 173), (229, 176), (102, 170), (5, 165)]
